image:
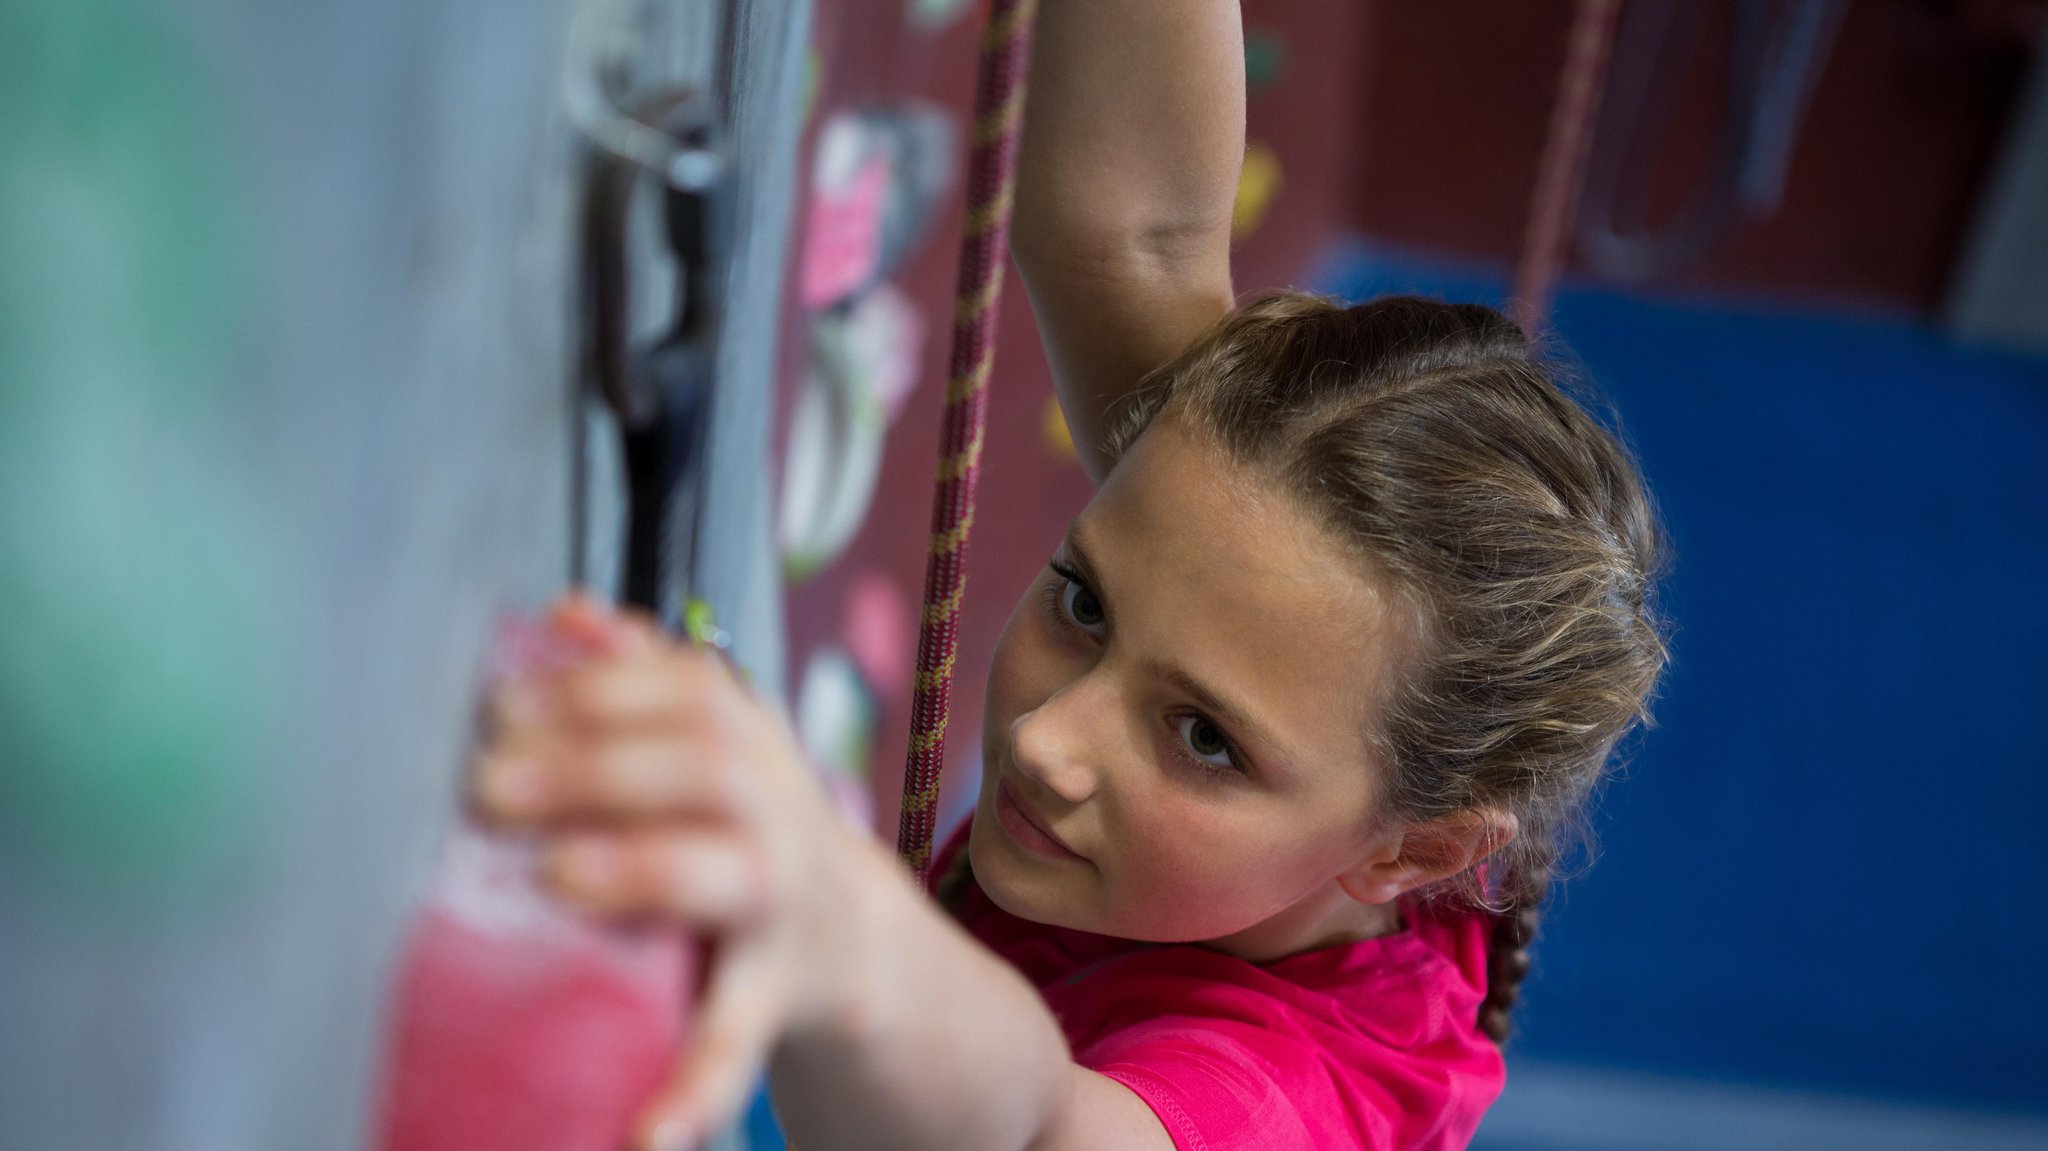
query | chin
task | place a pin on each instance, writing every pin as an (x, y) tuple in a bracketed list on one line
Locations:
[(1009, 883)]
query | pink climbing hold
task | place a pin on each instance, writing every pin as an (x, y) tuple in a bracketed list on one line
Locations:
[(517, 1025), (516, 1047), (877, 630), (843, 234)]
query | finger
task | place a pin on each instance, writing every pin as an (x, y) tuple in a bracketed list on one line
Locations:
[(591, 624), (737, 1023), (633, 777), (662, 686), (691, 876), (665, 686)]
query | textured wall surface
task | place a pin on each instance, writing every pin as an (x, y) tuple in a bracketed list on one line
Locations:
[(286, 383)]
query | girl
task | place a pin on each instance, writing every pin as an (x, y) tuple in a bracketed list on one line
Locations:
[(1362, 600)]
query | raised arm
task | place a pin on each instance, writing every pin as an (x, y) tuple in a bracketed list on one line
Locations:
[(1133, 139)]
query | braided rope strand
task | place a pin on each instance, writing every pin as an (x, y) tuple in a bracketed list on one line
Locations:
[(991, 181)]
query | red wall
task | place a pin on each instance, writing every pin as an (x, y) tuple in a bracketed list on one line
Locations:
[(1895, 145)]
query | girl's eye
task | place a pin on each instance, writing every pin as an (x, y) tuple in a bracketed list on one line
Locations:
[(1080, 605), (1206, 740)]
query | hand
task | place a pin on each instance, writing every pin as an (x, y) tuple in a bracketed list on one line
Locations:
[(663, 790)]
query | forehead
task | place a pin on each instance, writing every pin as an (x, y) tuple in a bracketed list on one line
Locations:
[(1210, 568)]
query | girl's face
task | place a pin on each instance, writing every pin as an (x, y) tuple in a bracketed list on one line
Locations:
[(1175, 741)]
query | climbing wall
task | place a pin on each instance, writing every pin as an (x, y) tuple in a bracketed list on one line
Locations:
[(286, 393)]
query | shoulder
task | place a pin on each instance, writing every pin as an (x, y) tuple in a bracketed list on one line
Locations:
[(1371, 1045)]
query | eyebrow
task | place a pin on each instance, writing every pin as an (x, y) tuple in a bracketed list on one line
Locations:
[(1219, 707)]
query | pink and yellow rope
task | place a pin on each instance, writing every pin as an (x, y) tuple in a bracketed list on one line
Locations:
[(984, 243)]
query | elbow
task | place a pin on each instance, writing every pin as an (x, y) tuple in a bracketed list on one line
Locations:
[(1123, 249)]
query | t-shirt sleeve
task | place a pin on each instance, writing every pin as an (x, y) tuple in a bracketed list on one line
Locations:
[(1223, 1085)]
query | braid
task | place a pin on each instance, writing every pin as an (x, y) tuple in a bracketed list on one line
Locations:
[(1507, 960)]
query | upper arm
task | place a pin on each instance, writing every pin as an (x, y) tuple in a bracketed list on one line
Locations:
[(1101, 1114), (1109, 316)]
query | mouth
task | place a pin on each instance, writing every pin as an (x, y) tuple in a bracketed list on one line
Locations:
[(1027, 829)]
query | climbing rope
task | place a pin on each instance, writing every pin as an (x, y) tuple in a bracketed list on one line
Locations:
[(991, 183), (1562, 174)]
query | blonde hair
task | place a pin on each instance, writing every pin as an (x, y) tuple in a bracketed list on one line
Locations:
[(1435, 440)]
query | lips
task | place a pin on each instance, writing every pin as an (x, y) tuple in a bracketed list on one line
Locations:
[(1028, 828)]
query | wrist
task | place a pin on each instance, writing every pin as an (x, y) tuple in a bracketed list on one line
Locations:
[(863, 905)]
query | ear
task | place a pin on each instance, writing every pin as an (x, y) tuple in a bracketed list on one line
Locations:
[(1414, 855)]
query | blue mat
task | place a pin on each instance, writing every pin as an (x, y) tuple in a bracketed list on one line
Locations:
[(1825, 868)]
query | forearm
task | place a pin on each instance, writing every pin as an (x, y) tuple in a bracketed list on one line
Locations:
[(1133, 140), (940, 1044)]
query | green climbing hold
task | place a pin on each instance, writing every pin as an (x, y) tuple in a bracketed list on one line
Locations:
[(700, 624), (1265, 58)]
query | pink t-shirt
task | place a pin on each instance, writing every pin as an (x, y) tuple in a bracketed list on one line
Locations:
[(1371, 1045)]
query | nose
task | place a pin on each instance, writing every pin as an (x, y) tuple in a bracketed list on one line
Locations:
[(1060, 744)]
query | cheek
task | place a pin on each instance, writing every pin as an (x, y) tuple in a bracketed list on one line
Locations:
[(1194, 869), (1028, 664), (1009, 674), (1023, 671), (1198, 866)]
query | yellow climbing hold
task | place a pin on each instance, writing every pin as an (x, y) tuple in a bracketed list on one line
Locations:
[(1257, 183), (1058, 439)]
